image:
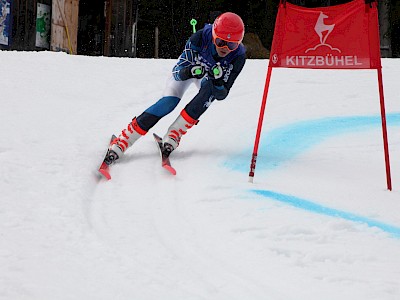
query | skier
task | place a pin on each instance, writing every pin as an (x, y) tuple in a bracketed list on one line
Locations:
[(212, 59)]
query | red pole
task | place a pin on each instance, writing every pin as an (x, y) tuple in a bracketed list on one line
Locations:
[(259, 127), (384, 130)]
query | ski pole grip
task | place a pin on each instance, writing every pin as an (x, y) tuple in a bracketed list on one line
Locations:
[(193, 22)]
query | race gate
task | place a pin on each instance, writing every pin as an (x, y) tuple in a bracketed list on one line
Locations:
[(336, 37)]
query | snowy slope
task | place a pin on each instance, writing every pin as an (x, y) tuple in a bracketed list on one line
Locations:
[(317, 223)]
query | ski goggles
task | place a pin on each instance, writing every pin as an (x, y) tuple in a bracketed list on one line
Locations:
[(220, 43)]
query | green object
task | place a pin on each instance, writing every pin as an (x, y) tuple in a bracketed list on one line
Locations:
[(193, 22), (197, 71), (216, 71)]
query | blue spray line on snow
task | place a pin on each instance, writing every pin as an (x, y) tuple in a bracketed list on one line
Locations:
[(285, 143), (324, 210)]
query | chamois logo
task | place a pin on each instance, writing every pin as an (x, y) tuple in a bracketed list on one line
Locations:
[(323, 30)]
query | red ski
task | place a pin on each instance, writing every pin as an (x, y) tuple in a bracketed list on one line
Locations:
[(165, 163), (104, 168)]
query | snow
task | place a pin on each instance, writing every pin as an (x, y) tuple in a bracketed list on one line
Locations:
[(317, 223)]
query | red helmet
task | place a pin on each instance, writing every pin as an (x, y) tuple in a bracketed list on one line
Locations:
[(229, 27)]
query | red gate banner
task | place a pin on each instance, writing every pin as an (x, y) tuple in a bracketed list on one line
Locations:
[(337, 37)]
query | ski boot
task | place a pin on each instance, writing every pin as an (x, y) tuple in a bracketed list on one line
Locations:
[(126, 139), (175, 132)]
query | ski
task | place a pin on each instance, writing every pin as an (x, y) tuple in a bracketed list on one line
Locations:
[(165, 163), (104, 169)]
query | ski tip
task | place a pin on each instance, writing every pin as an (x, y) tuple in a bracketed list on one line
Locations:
[(170, 169)]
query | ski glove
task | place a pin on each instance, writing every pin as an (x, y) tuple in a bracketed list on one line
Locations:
[(216, 74), (192, 71), (197, 71)]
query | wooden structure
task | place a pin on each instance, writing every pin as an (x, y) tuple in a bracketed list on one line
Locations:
[(64, 26)]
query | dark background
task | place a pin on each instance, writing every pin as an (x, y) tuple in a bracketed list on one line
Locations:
[(173, 19), (109, 27)]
